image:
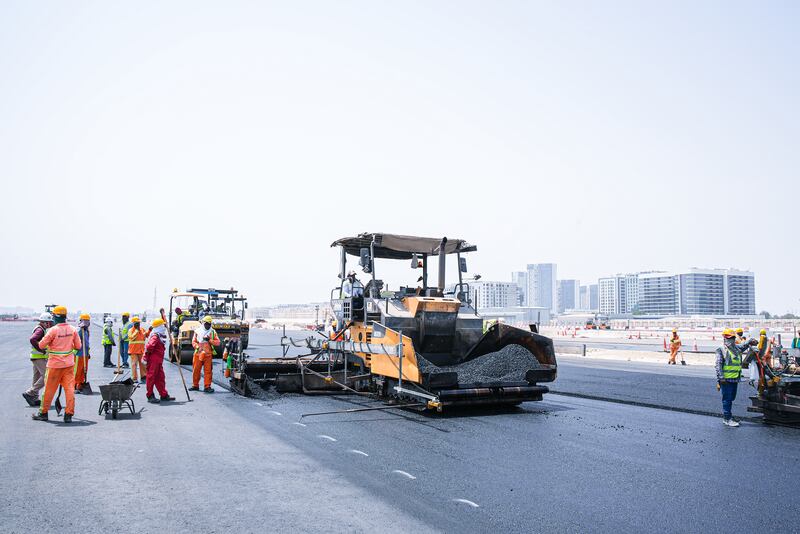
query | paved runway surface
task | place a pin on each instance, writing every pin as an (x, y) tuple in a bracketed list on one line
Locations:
[(223, 462)]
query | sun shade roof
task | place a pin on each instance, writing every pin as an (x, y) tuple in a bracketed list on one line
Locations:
[(400, 247)]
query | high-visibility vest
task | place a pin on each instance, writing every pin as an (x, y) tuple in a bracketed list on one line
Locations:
[(37, 354), (125, 328), (108, 336), (138, 338), (213, 348), (732, 366)]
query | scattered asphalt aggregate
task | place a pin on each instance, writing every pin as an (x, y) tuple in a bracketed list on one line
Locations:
[(224, 463), (508, 364)]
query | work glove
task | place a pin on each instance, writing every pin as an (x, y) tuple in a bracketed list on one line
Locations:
[(719, 386)]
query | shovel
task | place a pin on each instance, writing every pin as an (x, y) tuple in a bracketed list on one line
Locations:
[(118, 371), (86, 388), (58, 402), (683, 362)]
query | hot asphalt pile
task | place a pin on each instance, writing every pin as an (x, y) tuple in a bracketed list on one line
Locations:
[(508, 364)]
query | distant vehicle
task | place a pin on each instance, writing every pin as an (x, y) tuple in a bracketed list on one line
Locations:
[(9, 317)]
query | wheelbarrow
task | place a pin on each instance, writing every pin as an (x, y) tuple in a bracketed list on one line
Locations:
[(116, 396)]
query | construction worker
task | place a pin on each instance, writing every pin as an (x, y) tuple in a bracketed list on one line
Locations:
[(729, 371), (82, 356), (351, 287), (108, 342), (740, 337), (204, 340), (674, 346), (154, 361), (136, 340), (124, 342), (60, 341), (796, 345), (38, 360), (180, 316)]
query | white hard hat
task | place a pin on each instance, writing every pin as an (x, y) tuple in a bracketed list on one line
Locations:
[(45, 318), (109, 320)]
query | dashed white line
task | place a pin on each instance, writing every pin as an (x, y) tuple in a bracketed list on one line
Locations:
[(259, 404), (273, 412), (299, 424), (468, 503), (403, 473), (323, 436), (356, 451)]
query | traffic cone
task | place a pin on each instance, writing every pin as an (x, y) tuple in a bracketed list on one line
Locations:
[(665, 344)]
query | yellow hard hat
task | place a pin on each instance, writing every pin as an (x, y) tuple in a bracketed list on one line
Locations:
[(740, 330), (674, 330), (84, 317), (763, 332), (728, 332), (207, 319), (157, 322), (60, 310), (136, 320), (126, 314)]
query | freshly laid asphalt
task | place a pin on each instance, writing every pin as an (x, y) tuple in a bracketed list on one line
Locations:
[(223, 462)]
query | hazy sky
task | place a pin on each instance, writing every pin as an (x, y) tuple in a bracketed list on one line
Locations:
[(173, 144)]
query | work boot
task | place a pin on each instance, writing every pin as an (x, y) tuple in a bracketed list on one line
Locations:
[(39, 416), (730, 422), (152, 399), (208, 390), (67, 417), (30, 399), (126, 366), (194, 388), (143, 381), (166, 398)]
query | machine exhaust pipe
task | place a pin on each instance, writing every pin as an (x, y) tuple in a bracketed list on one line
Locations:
[(442, 255)]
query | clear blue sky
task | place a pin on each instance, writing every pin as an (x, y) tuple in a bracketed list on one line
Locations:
[(604, 136)]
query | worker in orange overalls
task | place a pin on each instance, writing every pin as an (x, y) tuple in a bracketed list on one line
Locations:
[(204, 340), (137, 336), (674, 346), (82, 355), (60, 342)]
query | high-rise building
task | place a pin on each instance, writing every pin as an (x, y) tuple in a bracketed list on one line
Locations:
[(594, 297), (494, 294), (568, 295), (521, 279), (583, 298), (698, 292), (541, 290), (612, 295)]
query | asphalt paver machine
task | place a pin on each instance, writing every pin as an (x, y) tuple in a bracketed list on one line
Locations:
[(422, 344)]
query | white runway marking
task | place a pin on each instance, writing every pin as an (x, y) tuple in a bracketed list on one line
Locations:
[(273, 412), (407, 475), (356, 451), (299, 424), (323, 436), (259, 404), (465, 501)]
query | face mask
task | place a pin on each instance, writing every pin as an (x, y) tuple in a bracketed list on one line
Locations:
[(160, 330), (136, 325), (207, 326)]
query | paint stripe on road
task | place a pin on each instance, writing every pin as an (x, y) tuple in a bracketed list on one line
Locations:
[(299, 424), (259, 404), (403, 473), (356, 451), (323, 436), (273, 412), (467, 502)]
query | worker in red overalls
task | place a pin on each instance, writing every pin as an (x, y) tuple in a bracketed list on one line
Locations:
[(154, 362), (204, 340)]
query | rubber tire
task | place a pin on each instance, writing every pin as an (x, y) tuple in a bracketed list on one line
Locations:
[(186, 357), (113, 414), (245, 340)]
